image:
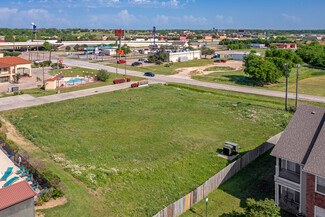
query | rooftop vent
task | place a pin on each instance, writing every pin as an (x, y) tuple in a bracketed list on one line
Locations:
[(313, 112)]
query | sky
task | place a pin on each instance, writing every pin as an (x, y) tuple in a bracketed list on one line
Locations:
[(164, 14)]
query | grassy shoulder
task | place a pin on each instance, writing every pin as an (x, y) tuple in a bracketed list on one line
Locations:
[(81, 72), (137, 155), (311, 80), (255, 181), (163, 69)]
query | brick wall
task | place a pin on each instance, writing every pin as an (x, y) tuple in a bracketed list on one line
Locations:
[(312, 198)]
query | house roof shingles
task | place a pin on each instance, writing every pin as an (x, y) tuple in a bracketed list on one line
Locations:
[(303, 140), (315, 163), (14, 60), (15, 193)]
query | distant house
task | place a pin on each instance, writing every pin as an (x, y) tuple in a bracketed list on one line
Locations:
[(17, 200), (182, 38), (221, 37), (9, 67), (285, 45), (208, 37), (180, 44), (300, 163)]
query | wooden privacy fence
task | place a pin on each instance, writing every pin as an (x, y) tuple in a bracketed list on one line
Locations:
[(186, 202)]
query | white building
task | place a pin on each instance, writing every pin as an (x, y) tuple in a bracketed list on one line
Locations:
[(258, 45), (240, 55), (184, 56)]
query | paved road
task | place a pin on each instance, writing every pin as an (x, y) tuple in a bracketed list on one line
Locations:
[(164, 78), (26, 100)]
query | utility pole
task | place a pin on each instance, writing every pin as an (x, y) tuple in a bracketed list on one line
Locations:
[(286, 96), (125, 59), (58, 76), (43, 78), (116, 65), (297, 86)]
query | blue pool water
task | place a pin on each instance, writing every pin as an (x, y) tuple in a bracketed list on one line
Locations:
[(75, 80)]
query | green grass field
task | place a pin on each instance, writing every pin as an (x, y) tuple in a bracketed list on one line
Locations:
[(311, 80), (74, 72), (162, 69), (139, 150), (255, 181)]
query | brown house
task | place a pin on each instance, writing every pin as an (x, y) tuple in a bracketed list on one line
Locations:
[(9, 67), (300, 163)]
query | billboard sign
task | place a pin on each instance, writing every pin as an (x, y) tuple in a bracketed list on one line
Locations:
[(120, 52), (61, 61), (119, 32)]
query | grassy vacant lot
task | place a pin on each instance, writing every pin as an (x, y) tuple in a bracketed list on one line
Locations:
[(218, 68), (81, 72), (162, 69), (255, 181), (138, 150), (311, 80)]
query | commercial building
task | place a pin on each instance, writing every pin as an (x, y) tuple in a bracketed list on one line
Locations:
[(258, 45), (300, 163), (285, 45), (9, 67), (182, 56)]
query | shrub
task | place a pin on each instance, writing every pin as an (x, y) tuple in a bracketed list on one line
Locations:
[(55, 65), (103, 75), (266, 208)]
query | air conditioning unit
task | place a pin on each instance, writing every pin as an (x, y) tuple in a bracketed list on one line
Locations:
[(230, 148)]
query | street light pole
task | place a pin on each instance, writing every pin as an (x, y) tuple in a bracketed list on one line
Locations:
[(286, 96), (206, 202), (297, 86)]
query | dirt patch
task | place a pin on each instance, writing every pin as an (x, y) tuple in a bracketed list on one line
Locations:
[(52, 203), (13, 134), (188, 72)]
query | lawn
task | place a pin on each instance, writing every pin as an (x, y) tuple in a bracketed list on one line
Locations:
[(162, 69), (74, 72), (139, 150), (255, 181), (311, 80), (219, 68)]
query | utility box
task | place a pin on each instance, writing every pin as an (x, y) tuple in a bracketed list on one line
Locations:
[(230, 148)]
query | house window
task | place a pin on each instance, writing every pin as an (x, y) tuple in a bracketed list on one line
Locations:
[(290, 166), (319, 212), (320, 186), (290, 194)]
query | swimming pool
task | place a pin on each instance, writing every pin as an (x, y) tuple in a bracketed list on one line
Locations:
[(75, 80)]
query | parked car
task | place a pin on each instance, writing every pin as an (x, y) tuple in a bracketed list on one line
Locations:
[(136, 64), (215, 57), (121, 61), (220, 61), (117, 81), (146, 61), (149, 74), (141, 59)]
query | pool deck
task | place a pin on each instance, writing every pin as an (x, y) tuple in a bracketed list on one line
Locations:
[(5, 162)]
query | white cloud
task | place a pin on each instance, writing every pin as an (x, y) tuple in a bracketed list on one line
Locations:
[(291, 18), (221, 20), (14, 18)]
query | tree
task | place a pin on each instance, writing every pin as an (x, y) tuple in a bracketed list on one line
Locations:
[(266, 208), (126, 49), (68, 48), (103, 75), (47, 46), (9, 38), (262, 71), (207, 51), (76, 47)]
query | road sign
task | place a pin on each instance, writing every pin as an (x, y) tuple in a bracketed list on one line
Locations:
[(119, 32), (120, 52), (61, 61)]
